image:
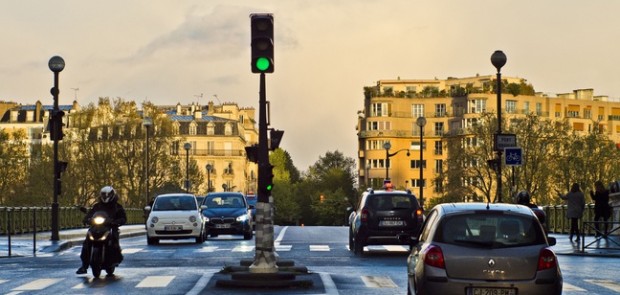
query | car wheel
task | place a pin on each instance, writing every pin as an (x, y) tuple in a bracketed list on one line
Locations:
[(358, 247), (248, 235), (152, 241)]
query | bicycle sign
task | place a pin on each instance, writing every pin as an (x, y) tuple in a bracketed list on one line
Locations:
[(514, 156)]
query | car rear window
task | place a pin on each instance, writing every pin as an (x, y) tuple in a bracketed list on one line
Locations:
[(391, 202), (224, 201), (175, 203), (490, 230)]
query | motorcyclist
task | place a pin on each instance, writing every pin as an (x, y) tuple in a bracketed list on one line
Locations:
[(108, 202), (524, 198)]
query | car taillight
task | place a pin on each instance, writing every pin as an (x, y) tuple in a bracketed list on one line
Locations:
[(417, 214), (433, 256), (364, 215), (546, 259)]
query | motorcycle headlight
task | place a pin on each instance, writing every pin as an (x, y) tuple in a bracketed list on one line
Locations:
[(192, 218), (242, 218), (99, 220)]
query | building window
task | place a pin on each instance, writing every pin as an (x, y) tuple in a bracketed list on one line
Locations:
[(440, 110), (379, 109), (174, 148), (415, 164), (526, 107), (438, 147), (210, 128), (210, 148), (479, 106), (379, 125), (438, 128), (415, 182), (511, 106), (538, 108), (438, 186), (417, 110), (192, 128), (438, 166), (587, 113)]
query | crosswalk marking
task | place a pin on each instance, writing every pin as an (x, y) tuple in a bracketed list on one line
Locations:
[(243, 248), (155, 282), (611, 285), (569, 287), (207, 249), (284, 248), (378, 282), (131, 250), (3, 281), (319, 248), (39, 284)]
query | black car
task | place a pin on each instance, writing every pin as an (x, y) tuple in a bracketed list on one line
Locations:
[(385, 217), (227, 213)]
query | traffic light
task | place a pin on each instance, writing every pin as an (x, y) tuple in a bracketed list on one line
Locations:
[(252, 153), (262, 43), (275, 137), (55, 125), (267, 183)]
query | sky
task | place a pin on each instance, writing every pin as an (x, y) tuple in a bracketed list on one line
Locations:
[(326, 51)]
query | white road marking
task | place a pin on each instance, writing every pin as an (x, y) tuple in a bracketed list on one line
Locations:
[(378, 282), (284, 247), (155, 282), (201, 284), (319, 248), (396, 248), (328, 284), (39, 284), (3, 281), (131, 250), (611, 285), (207, 249), (280, 236), (243, 248), (569, 287)]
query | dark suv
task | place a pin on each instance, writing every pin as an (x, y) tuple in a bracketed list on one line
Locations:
[(384, 217)]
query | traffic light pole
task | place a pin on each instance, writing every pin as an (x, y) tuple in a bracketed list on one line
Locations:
[(264, 259), (55, 111)]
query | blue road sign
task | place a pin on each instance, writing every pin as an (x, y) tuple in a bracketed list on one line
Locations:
[(514, 156)]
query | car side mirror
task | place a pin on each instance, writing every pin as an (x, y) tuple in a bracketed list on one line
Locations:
[(147, 208), (350, 209), (552, 241), (82, 208), (251, 207), (202, 207)]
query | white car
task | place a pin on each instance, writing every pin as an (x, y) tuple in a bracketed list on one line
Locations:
[(174, 216)]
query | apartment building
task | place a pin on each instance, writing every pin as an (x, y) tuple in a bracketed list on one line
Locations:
[(392, 108)]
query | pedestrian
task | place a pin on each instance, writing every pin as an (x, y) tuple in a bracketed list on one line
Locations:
[(602, 210), (576, 203)]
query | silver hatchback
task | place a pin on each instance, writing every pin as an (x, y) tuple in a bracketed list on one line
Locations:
[(479, 248)]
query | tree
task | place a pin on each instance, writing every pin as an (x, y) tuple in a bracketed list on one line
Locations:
[(14, 163)]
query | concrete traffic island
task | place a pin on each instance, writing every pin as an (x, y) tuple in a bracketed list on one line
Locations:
[(287, 276)]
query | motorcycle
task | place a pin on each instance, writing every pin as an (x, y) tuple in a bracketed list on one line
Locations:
[(104, 254)]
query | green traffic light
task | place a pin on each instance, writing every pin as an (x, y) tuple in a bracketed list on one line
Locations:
[(263, 63), (269, 187)]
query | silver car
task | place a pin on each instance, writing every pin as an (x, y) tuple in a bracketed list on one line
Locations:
[(480, 248)]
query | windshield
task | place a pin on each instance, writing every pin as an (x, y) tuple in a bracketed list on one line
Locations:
[(225, 201), (173, 203), (490, 231)]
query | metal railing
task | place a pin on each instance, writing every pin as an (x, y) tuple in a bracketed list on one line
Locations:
[(558, 223), (21, 220)]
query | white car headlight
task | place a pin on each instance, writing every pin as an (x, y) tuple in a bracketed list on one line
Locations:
[(205, 218), (242, 218)]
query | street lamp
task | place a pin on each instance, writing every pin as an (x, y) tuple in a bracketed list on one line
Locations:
[(421, 121), (187, 146), (387, 146), (147, 122), (56, 64), (209, 168), (498, 59)]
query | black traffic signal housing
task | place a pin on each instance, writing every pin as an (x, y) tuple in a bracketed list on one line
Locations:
[(267, 184), (262, 43), (252, 153), (55, 125), (275, 137)]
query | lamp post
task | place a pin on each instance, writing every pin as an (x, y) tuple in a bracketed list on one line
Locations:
[(56, 64), (209, 168), (147, 122), (498, 59), (387, 146), (187, 146), (421, 121)]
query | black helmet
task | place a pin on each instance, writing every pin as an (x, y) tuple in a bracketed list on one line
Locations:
[(522, 197), (108, 194)]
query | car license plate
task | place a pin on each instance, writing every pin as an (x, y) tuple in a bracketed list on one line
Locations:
[(493, 291), (225, 225), (391, 223), (173, 227)]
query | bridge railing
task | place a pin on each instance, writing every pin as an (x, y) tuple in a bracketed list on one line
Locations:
[(20, 220), (558, 223)]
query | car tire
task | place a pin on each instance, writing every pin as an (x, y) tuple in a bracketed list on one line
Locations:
[(351, 244), (248, 235), (358, 247), (152, 241)]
